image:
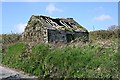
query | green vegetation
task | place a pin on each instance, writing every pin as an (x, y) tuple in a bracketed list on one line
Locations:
[(0, 38), (82, 28), (75, 28), (91, 60), (0, 55), (11, 55), (95, 59), (10, 38), (105, 34)]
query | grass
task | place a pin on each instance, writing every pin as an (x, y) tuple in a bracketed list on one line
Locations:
[(11, 56), (0, 38), (90, 60), (104, 34), (10, 38), (0, 55)]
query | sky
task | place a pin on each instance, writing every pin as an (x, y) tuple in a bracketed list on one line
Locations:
[(59, 0), (91, 15)]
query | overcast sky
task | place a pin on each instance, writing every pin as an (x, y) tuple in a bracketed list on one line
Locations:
[(101, 15)]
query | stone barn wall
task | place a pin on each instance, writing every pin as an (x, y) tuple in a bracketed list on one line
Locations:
[(56, 35), (83, 36), (66, 36), (45, 29), (36, 30)]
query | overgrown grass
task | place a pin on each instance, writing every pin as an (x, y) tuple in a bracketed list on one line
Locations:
[(0, 55), (10, 38), (0, 38), (104, 34), (11, 56), (89, 60)]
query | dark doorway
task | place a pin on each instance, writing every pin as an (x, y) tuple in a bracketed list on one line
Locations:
[(69, 37)]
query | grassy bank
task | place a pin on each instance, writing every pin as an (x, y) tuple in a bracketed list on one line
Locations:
[(91, 60), (104, 34)]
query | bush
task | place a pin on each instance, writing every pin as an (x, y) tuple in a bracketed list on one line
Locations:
[(85, 61), (10, 38), (104, 34)]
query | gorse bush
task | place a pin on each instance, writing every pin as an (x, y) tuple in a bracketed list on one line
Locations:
[(10, 38), (0, 55), (0, 38), (89, 60), (105, 34)]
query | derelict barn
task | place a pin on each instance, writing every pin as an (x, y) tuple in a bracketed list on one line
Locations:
[(46, 29)]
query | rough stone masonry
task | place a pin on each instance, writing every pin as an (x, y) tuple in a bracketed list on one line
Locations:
[(45, 29)]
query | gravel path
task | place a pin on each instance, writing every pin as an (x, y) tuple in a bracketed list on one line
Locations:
[(6, 73)]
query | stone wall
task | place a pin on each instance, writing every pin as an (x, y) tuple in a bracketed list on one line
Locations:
[(83, 36), (57, 35), (45, 29), (35, 31), (66, 36)]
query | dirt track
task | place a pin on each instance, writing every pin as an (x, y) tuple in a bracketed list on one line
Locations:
[(10, 73)]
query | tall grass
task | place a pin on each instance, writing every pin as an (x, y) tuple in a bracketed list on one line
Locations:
[(95, 59), (10, 38), (89, 60), (105, 34)]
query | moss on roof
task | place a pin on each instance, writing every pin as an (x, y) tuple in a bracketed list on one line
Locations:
[(75, 28)]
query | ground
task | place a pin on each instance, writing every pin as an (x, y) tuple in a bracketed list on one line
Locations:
[(97, 58), (7, 73)]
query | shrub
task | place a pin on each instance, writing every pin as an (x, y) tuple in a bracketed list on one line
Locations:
[(104, 34), (83, 61)]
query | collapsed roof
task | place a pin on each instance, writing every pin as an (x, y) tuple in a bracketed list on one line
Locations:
[(58, 24)]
